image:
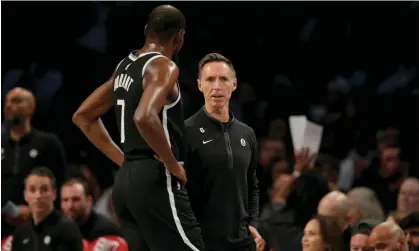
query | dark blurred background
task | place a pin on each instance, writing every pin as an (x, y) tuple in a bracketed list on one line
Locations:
[(350, 66)]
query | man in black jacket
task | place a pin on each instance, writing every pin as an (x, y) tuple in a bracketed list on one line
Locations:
[(48, 229), (221, 164)]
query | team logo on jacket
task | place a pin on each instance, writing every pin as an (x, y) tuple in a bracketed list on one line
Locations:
[(243, 142), (33, 153), (47, 240)]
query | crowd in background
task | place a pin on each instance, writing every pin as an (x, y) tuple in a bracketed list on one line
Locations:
[(351, 67)]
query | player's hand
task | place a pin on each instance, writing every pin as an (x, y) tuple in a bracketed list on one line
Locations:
[(176, 169), (260, 242)]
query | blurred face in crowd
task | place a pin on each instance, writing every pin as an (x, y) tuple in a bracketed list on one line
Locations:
[(75, 203), (330, 206), (412, 235), (19, 105), (312, 239), (408, 199), (39, 194), (390, 162), (217, 82), (383, 239), (359, 242), (270, 149)]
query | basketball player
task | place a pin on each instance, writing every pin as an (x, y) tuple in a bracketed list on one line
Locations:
[(149, 199)]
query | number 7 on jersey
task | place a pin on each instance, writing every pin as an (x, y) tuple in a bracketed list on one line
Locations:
[(121, 102)]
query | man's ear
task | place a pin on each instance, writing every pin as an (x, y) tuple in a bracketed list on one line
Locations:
[(199, 85), (235, 84), (145, 30)]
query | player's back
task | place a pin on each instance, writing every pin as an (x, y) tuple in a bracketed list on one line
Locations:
[(128, 90)]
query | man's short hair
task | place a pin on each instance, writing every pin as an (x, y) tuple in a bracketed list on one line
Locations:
[(80, 181), (42, 172), (214, 57), (164, 21)]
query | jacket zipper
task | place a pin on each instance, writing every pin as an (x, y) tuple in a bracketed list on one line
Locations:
[(17, 158), (229, 151)]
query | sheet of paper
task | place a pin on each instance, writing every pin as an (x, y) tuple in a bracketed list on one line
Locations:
[(313, 136), (297, 127), (305, 133)]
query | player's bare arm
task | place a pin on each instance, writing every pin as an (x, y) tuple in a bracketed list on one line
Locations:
[(159, 79), (87, 118)]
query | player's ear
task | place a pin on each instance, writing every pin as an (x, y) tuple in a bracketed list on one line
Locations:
[(235, 84), (145, 30)]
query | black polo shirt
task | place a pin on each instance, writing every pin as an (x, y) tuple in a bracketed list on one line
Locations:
[(54, 233)]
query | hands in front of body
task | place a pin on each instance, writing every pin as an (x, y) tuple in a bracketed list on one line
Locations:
[(260, 243), (176, 169)]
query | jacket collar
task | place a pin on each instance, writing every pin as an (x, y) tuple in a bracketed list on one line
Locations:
[(219, 124)]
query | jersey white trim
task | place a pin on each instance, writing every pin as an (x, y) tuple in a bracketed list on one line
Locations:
[(149, 61), (133, 57), (169, 181)]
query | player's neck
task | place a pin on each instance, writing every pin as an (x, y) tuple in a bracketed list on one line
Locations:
[(151, 45), (17, 132), (220, 114)]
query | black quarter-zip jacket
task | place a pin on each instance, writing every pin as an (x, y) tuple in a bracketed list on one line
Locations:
[(222, 184), (55, 233)]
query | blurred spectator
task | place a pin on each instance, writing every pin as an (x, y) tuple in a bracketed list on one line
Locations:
[(396, 216), (23, 148), (283, 230), (336, 204), (76, 203), (269, 150), (385, 176), (360, 233), (388, 236), (410, 225), (366, 203), (322, 233), (408, 199), (48, 227)]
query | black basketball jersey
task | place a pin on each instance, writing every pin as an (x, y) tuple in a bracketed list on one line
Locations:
[(128, 90)]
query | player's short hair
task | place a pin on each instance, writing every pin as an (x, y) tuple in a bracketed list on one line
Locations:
[(80, 181), (42, 172), (164, 21), (214, 57)]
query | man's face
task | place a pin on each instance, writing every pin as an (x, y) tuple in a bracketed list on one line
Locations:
[(17, 104), (39, 193), (390, 162), (217, 82), (379, 242), (74, 202), (359, 242), (408, 199), (413, 237)]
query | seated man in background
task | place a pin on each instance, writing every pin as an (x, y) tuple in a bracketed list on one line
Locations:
[(388, 236), (48, 229), (22, 149), (410, 225), (360, 233), (76, 203)]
